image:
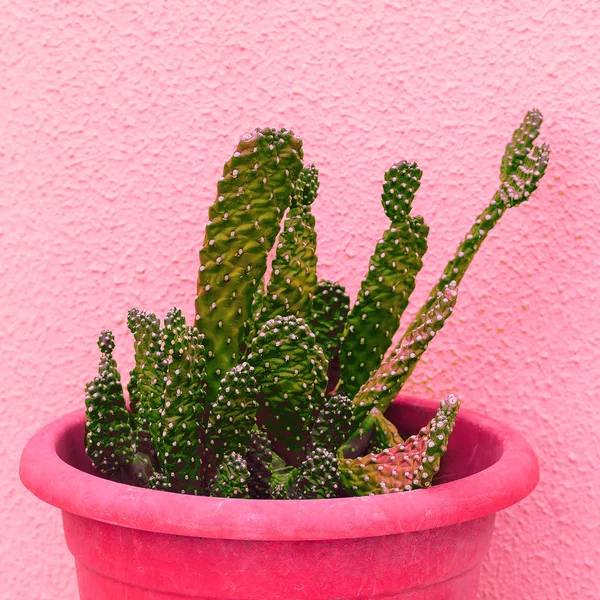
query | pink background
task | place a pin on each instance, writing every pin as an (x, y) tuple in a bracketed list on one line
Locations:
[(115, 120)]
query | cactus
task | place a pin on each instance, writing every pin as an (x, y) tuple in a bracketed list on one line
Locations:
[(182, 407), (259, 459), (330, 309), (292, 377), (252, 196), (389, 283), (294, 270), (109, 439), (333, 423), (146, 381), (231, 480), (317, 477), (385, 435), (523, 166), (387, 381), (232, 416), (279, 390), (406, 466)]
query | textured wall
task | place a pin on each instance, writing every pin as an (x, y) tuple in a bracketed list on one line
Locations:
[(115, 119)]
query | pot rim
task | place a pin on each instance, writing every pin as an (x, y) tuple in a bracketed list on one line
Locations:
[(512, 477)]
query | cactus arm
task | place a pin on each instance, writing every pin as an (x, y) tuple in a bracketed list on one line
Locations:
[(385, 383), (385, 435), (290, 371), (232, 417), (252, 197), (333, 423), (523, 166), (231, 479), (146, 384), (330, 309), (317, 477), (360, 439), (182, 405), (259, 458), (519, 148), (282, 478), (108, 438), (294, 270), (406, 466), (390, 280), (256, 309), (158, 481)]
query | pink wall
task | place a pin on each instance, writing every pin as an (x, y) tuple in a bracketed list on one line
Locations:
[(115, 120)]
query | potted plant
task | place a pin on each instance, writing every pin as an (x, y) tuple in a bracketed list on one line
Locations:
[(265, 452)]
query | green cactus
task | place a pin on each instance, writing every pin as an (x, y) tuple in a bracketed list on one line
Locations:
[(406, 466), (259, 458), (182, 407), (330, 309), (231, 479), (294, 270), (523, 166), (385, 435), (291, 372), (333, 423), (389, 282), (146, 382), (252, 197), (521, 144), (317, 477), (387, 381), (249, 402), (108, 437), (232, 416)]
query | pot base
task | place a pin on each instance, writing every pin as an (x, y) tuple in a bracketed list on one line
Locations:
[(436, 564)]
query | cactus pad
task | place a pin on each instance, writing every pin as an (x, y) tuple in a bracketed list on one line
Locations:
[(182, 406), (294, 270), (290, 370), (390, 280), (252, 197), (406, 466), (401, 183), (330, 308), (231, 480), (232, 416), (317, 477), (146, 383), (521, 144), (259, 458), (385, 435), (109, 440), (333, 423), (385, 384)]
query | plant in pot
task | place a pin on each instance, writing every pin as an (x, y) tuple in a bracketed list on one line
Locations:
[(265, 449)]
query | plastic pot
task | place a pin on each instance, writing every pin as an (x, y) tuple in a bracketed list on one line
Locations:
[(136, 544)]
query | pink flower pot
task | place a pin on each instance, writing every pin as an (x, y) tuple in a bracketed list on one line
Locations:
[(138, 544)]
